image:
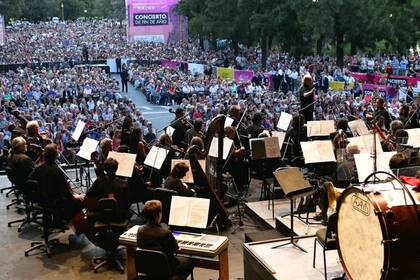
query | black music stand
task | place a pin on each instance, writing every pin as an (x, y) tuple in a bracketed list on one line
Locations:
[(294, 186)]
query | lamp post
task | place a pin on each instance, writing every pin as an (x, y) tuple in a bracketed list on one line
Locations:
[(62, 10)]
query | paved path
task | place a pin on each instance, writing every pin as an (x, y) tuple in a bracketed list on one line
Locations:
[(157, 114)]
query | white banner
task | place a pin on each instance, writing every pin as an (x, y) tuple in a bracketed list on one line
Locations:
[(195, 68)]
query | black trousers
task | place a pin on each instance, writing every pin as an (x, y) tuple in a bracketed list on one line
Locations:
[(182, 268), (124, 84)]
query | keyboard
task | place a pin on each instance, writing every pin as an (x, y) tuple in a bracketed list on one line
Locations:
[(206, 245)]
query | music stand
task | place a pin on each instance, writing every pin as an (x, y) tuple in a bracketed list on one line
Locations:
[(294, 186)]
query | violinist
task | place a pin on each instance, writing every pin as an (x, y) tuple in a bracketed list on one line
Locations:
[(20, 164), (235, 164), (380, 116), (53, 182), (256, 127), (195, 131), (99, 158), (180, 129), (126, 130), (294, 135), (32, 134)]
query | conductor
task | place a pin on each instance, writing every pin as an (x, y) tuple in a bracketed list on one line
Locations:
[(306, 94)]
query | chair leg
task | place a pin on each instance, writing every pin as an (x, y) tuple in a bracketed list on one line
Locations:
[(5, 189), (325, 265), (313, 264), (98, 266), (9, 224), (14, 202)]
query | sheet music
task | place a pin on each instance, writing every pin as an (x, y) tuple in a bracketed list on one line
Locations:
[(78, 130), (180, 207), (358, 128), (199, 212), (214, 147), (320, 128), (284, 121), (170, 131), (189, 212), (126, 163), (280, 135), (272, 149), (365, 143), (88, 147), (189, 176), (228, 121), (318, 151), (156, 157), (413, 137), (364, 164)]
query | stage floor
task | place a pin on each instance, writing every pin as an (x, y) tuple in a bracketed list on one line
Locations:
[(259, 211), (290, 263)]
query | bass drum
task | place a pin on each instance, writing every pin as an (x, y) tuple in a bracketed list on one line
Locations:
[(378, 235)]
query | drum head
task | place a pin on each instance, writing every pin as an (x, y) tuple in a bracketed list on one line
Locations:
[(360, 237)]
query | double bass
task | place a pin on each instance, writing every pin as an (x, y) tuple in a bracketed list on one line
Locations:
[(210, 180)]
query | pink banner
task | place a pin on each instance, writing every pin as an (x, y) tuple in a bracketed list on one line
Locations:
[(402, 81), (243, 75), (170, 64), (384, 91), (155, 21)]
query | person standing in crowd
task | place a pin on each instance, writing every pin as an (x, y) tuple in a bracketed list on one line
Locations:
[(124, 78), (85, 53), (307, 94), (118, 63)]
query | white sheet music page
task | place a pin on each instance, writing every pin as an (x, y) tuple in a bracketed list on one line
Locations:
[(365, 143), (180, 211), (228, 121), (214, 147), (318, 151), (78, 130), (358, 128), (126, 163), (413, 137), (88, 147), (170, 131), (156, 157), (284, 121), (365, 161), (320, 128), (199, 212), (281, 135)]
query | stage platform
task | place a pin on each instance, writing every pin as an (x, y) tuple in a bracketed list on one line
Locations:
[(261, 214), (261, 262)]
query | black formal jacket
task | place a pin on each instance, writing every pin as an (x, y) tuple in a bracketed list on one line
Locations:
[(152, 236), (176, 184), (21, 166)]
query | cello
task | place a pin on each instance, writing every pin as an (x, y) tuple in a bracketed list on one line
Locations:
[(210, 180)]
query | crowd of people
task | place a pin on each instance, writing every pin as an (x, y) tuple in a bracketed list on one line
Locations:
[(40, 107)]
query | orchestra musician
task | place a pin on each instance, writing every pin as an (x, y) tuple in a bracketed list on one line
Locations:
[(180, 128), (173, 182), (156, 236), (61, 197), (108, 186), (256, 127), (20, 164), (307, 94), (295, 134), (126, 130), (195, 131), (235, 165), (99, 158), (380, 116)]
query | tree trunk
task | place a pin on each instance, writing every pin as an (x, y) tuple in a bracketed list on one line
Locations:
[(235, 47), (339, 35), (353, 48), (264, 52), (319, 45)]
